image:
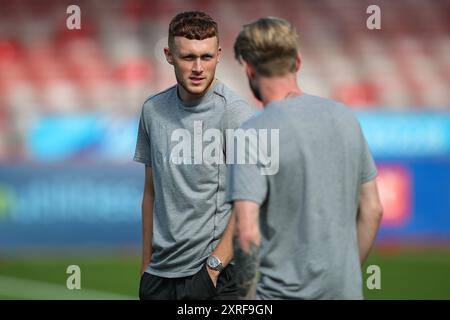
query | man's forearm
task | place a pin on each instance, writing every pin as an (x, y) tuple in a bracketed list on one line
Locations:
[(147, 231), (224, 250), (247, 263), (247, 243), (370, 213), (367, 230)]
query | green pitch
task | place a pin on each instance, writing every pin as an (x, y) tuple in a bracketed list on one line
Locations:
[(410, 274), (102, 277), (404, 275)]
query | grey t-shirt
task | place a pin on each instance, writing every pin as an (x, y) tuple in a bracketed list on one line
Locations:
[(190, 212), (309, 207)]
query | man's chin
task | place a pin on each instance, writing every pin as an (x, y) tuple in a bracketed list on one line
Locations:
[(196, 90)]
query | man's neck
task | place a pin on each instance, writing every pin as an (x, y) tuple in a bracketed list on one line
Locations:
[(188, 97), (278, 88)]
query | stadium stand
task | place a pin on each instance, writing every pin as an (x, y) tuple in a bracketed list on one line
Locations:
[(116, 60)]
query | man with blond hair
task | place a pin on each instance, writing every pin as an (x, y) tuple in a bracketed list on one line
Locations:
[(307, 228), (186, 224)]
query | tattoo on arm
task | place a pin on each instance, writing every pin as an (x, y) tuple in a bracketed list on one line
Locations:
[(247, 263)]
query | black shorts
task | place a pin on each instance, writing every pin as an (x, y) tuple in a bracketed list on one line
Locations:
[(196, 287)]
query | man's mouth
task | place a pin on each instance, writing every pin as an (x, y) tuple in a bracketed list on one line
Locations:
[(196, 80)]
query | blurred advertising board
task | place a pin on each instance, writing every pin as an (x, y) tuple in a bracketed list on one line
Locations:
[(70, 204), (81, 187)]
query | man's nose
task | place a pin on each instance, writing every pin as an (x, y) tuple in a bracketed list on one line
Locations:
[(198, 67)]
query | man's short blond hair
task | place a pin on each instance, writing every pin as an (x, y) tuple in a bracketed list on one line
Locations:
[(270, 45)]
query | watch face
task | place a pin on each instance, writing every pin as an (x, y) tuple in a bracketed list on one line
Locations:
[(213, 262)]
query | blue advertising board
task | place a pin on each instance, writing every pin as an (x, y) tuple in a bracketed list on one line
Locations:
[(70, 204), (82, 188)]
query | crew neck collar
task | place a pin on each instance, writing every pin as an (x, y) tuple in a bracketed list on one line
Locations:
[(286, 100), (193, 105)]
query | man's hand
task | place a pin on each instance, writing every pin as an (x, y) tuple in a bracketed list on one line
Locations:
[(213, 274), (143, 268)]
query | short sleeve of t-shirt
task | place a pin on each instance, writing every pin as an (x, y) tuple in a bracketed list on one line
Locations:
[(368, 168), (143, 148), (247, 181), (239, 112)]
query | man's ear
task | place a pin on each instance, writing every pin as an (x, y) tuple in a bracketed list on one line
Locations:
[(169, 55), (249, 70), (219, 51), (298, 62)]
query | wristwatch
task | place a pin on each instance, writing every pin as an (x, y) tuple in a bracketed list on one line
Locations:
[(214, 263)]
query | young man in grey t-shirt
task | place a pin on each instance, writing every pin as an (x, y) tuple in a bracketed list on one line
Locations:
[(187, 229), (308, 225)]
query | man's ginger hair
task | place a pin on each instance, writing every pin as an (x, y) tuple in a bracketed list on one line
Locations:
[(192, 25)]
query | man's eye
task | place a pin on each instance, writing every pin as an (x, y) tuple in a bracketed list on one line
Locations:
[(189, 58), (206, 58)]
